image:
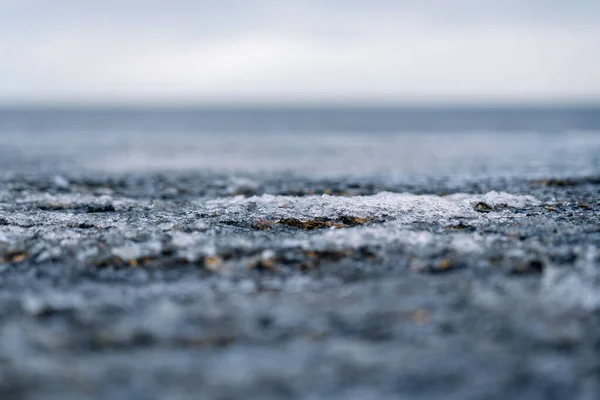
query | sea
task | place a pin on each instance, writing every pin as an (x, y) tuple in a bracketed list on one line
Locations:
[(396, 143)]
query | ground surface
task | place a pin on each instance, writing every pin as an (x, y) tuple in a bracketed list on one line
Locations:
[(300, 254), (166, 285)]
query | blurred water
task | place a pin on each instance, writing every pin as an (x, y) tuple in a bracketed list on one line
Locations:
[(385, 142)]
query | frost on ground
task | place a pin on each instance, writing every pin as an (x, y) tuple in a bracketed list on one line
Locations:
[(92, 229), (281, 287), (404, 207)]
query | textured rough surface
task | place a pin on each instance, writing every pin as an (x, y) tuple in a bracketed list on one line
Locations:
[(169, 285), (300, 255)]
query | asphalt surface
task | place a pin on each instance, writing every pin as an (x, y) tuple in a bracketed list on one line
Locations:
[(186, 285)]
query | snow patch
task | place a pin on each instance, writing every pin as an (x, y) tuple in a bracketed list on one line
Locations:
[(405, 207)]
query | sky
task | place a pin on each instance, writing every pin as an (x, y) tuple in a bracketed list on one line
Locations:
[(283, 51)]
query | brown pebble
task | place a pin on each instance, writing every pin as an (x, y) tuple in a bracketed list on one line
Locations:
[(213, 263), (18, 257)]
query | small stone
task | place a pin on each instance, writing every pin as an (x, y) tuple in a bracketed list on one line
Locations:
[(446, 264), (213, 263), (14, 257), (262, 225), (483, 207)]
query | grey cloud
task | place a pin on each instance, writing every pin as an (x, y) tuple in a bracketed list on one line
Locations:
[(303, 49), (224, 15)]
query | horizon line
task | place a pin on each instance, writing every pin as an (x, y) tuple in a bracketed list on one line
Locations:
[(285, 104)]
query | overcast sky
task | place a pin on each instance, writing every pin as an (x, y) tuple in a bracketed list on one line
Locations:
[(299, 51)]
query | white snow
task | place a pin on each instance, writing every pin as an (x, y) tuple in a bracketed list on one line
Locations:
[(404, 207)]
